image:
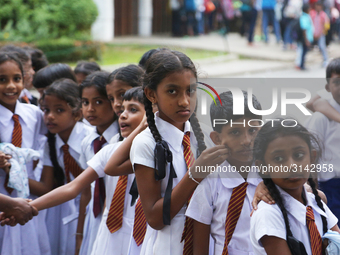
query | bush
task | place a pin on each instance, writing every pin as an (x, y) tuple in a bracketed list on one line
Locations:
[(65, 50), (30, 20)]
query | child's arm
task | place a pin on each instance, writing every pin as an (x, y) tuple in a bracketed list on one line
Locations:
[(84, 200), (150, 189), (336, 228), (45, 184), (275, 245), (261, 193), (201, 238), (119, 163), (323, 106), (66, 192), (310, 103)]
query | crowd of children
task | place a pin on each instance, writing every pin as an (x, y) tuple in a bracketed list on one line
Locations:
[(117, 158)]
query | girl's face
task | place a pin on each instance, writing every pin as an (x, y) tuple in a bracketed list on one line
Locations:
[(293, 154), (80, 77), (175, 97), (115, 92), (58, 116), (11, 84), (131, 117), (97, 109)]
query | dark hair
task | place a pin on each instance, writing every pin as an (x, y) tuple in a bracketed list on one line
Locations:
[(66, 90), (305, 7), (38, 58), (160, 65), (319, 3), (130, 74), (333, 68), (46, 76), (11, 56), (225, 111), (147, 55), (86, 67), (98, 80), (269, 132), (21, 54), (135, 94)]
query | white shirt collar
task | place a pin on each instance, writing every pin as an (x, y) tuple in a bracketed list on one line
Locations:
[(74, 140), (170, 133), (296, 208), (233, 179), (111, 131), (6, 115)]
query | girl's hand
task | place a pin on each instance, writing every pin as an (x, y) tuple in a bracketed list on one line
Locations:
[(209, 158), (79, 240), (4, 160), (261, 193), (143, 124)]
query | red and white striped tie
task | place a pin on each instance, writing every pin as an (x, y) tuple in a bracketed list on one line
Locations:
[(233, 214), (71, 166), (115, 218), (315, 238)]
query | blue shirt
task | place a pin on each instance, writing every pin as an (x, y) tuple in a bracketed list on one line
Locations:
[(306, 24)]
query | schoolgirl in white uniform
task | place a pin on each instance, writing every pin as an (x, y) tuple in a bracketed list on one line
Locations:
[(297, 216), (61, 104), (31, 238), (98, 111), (166, 83)]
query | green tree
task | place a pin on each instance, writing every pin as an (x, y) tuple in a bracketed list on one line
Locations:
[(31, 20)]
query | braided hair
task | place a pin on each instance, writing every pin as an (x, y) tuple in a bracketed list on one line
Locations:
[(157, 67), (66, 90), (269, 132)]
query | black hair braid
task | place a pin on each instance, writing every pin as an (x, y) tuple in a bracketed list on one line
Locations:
[(318, 201), (198, 133), (275, 193), (58, 172), (151, 120)]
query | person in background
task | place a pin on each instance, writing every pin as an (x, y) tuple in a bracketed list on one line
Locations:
[(268, 16), (84, 68)]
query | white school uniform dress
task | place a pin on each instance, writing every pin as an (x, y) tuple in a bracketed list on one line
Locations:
[(166, 241), (328, 133), (91, 223), (209, 205), (116, 243), (268, 220), (31, 238), (62, 219)]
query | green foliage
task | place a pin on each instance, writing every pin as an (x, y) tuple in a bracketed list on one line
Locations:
[(31, 20), (69, 50)]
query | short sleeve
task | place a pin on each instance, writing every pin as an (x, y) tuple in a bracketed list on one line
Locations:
[(98, 161), (47, 159), (82, 157), (201, 204), (332, 220), (142, 150), (266, 220)]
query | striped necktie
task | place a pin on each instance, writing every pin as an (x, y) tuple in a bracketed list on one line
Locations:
[(99, 187), (70, 164), (16, 141), (187, 234), (233, 214), (17, 131), (115, 218), (139, 225), (315, 238)]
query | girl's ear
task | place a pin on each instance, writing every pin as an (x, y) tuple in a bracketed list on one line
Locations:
[(313, 155), (78, 115), (150, 94), (215, 137)]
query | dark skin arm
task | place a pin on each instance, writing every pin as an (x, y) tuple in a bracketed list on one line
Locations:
[(45, 184), (150, 189), (275, 246), (201, 238)]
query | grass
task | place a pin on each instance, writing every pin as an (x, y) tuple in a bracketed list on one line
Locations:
[(113, 54)]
